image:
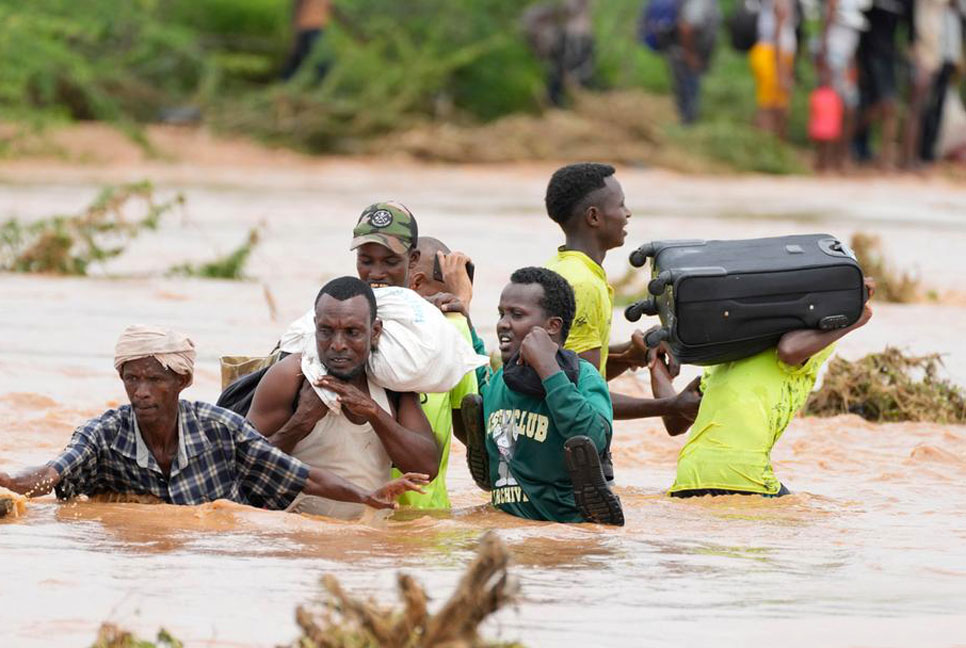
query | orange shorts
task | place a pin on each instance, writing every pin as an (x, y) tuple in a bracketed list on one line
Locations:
[(768, 91)]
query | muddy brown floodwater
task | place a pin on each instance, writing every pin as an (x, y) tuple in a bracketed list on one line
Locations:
[(870, 550)]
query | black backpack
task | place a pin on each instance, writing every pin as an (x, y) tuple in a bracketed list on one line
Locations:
[(743, 24)]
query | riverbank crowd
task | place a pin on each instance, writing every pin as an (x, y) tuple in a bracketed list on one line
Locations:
[(884, 78), (358, 404)]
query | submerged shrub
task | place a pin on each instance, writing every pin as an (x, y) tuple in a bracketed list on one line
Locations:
[(889, 387), (69, 244)]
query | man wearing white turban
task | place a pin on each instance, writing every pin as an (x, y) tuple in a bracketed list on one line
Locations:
[(180, 451)]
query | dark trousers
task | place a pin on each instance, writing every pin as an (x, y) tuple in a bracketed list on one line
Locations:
[(304, 42), (686, 84), (932, 113)]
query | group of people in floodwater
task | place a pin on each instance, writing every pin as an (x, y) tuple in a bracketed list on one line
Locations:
[(537, 431)]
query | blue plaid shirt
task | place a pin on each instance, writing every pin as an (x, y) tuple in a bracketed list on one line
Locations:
[(226, 459)]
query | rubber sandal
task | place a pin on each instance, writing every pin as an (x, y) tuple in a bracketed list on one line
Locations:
[(477, 460), (595, 501)]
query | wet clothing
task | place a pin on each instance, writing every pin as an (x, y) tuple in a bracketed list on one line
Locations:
[(745, 408), (594, 299), (525, 439), (715, 492), (439, 409), (350, 450), (220, 456)]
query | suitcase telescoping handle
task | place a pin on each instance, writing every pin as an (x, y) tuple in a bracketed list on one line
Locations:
[(640, 256), (643, 307)]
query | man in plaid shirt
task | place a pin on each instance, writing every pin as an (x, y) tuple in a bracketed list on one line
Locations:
[(179, 451)]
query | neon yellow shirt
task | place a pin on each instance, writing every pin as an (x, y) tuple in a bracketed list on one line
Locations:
[(746, 407), (438, 408), (595, 303)]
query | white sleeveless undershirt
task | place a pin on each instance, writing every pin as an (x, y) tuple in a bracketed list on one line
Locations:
[(353, 452)]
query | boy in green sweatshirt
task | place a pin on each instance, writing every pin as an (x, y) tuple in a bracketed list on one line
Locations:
[(546, 413)]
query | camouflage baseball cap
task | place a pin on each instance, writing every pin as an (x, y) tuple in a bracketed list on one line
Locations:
[(390, 224)]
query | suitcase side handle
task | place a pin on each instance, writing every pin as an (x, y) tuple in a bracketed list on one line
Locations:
[(656, 336), (657, 285)]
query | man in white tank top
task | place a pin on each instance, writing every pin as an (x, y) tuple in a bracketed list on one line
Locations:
[(372, 431)]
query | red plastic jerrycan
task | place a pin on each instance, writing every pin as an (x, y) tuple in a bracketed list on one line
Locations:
[(825, 115)]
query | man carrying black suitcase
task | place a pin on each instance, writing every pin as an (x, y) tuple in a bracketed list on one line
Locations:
[(745, 408), (587, 202)]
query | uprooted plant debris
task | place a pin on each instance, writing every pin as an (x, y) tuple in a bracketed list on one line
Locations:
[(344, 621), (67, 245), (889, 387), (112, 636), (890, 284), (229, 266)]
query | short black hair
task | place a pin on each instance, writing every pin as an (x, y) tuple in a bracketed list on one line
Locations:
[(558, 297), (345, 288), (569, 187)]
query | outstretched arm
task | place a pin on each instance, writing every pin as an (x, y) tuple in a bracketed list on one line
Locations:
[(32, 482), (323, 483)]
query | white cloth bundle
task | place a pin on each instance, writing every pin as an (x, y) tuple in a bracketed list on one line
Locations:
[(419, 351)]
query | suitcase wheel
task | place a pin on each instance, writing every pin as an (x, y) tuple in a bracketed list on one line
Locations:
[(639, 256), (643, 307), (657, 285)]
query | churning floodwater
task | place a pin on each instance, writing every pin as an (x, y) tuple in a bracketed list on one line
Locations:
[(870, 550)]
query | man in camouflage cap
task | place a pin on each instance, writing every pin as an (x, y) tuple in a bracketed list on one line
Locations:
[(385, 241)]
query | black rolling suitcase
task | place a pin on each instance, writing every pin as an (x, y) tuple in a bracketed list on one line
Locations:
[(721, 301)]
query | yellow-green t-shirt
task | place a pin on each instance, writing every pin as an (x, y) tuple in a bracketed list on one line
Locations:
[(747, 405), (438, 409), (595, 303)]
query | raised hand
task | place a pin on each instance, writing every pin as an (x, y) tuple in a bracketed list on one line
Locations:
[(688, 401), (385, 497), (309, 409), (351, 398), (455, 277), (661, 354), (539, 351), (448, 303)]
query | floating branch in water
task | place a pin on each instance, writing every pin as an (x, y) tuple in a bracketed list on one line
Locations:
[(890, 284), (67, 245), (889, 386), (230, 266), (111, 636), (344, 621)]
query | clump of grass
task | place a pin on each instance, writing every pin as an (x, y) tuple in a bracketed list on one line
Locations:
[(230, 266), (67, 245), (345, 621), (890, 284), (889, 387), (112, 636)]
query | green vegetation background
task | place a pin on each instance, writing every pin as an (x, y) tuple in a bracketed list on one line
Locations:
[(397, 64)]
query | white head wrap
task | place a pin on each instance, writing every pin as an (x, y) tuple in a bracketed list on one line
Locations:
[(175, 351)]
